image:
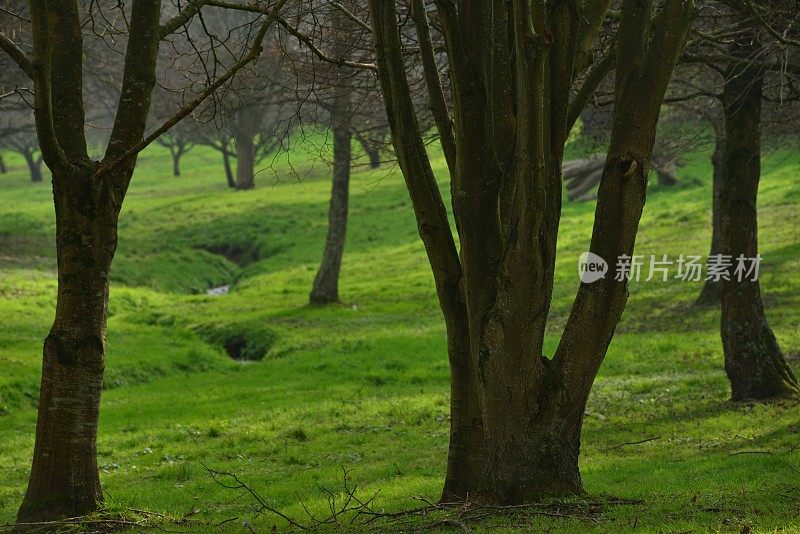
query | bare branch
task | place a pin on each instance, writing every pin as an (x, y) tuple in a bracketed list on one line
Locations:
[(772, 31), (185, 15), (253, 54), (20, 58), (322, 55), (352, 16)]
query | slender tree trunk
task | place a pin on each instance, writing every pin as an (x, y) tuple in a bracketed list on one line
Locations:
[(64, 480), (176, 160), (3, 169), (226, 162), (34, 166), (754, 362), (245, 161), (326, 283), (372, 150), (466, 453), (711, 292)]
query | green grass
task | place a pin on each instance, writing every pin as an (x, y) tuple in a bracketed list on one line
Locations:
[(364, 386)]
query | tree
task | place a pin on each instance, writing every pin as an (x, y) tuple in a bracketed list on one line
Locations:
[(335, 85), (326, 283), (340, 84), (178, 146), (754, 362), (516, 415), (88, 196), (219, 139), (18, 134), (752, 72)]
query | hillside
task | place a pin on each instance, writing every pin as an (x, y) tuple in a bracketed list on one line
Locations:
[(363, 386)]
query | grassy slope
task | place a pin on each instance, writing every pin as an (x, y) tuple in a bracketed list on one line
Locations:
[(364, 385)]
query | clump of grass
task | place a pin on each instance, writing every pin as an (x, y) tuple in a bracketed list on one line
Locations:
[(297, 434)]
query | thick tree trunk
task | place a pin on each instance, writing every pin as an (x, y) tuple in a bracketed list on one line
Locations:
[(64, 480), (711, 293), (34, 166), (506, 194), (245, 161), (754, 363), (326, 283)]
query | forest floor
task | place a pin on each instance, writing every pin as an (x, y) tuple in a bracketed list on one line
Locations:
[(362, 388)]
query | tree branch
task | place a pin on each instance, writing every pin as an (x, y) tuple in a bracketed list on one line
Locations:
[(20, 58), (772, 31), (434, 83), (319, 53), (182, 18), (599, 71), (109, 165)]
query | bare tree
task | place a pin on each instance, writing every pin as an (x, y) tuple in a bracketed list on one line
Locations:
[(18, 134), (88, 196)]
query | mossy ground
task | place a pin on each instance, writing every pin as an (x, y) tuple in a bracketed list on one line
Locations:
[(363, 386)]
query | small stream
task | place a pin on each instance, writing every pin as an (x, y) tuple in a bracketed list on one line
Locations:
[(218, 291)]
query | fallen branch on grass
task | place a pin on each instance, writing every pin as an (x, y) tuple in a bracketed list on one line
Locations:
[(619, 446)]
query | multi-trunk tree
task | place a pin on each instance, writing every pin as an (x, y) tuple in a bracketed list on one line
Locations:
[(88, 196), (520, 72)]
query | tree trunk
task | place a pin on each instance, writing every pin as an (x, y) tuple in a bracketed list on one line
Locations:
[(34, 166), (711, 292), (176, 160), (466, 453), (245, 161), (3, 169), (326, 283), (64, 480), (506, 193), (226, 162), (372, 149), (754, 363)]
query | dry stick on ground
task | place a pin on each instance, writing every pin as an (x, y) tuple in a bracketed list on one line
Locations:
[(455, 514), (351, 502), (632, 443)]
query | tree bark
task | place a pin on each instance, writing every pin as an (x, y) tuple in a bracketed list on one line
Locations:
[(245, 160), (3, 169), (711, 293), (64, 480), (326, 283), (754, 362)]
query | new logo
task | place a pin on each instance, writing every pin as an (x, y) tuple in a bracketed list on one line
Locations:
[(591, 267)]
